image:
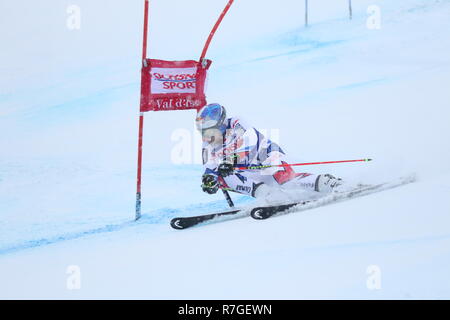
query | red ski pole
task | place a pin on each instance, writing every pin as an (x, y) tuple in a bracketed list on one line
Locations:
[(298, 164)]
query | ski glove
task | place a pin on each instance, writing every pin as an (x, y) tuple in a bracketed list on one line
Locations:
[(209, 183), (225, 169)]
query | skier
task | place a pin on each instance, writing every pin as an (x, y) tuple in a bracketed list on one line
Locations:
[(230, 143)]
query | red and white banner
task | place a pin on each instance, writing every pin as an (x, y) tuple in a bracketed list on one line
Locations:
[(173, 85)]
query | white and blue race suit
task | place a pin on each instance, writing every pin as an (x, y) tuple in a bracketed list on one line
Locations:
[(245, 146)]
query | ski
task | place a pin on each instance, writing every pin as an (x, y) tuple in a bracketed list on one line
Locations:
[(261, 213), (265, 212), (181, 223)]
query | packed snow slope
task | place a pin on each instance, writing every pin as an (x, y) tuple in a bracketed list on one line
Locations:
[(339, 89)]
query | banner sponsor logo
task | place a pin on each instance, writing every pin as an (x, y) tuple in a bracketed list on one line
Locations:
[(173, 80)]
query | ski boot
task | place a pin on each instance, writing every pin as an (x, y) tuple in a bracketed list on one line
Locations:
[(326, 183)]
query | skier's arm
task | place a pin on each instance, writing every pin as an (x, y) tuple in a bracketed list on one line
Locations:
[(210, 163)]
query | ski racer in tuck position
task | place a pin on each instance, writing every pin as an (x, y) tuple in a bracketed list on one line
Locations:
[(229, 143)]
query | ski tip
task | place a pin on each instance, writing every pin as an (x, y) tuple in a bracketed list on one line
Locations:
[(259, 214), (176, 224)]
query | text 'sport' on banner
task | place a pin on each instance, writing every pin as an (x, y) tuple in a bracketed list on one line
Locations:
[(173, 85)]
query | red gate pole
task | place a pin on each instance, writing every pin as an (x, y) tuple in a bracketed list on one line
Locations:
[(141, 119), (214, 29)]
